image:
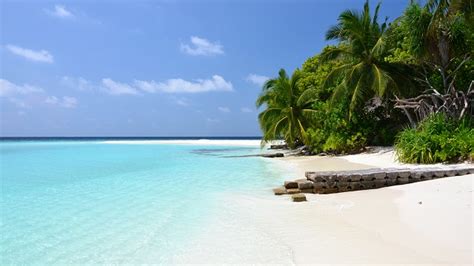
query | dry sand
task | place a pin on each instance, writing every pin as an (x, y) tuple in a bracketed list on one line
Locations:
[(428, 222)]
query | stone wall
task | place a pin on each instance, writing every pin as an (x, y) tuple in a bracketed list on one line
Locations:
[(342, 181)]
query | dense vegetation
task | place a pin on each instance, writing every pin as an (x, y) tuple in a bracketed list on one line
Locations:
[(437, 139), (412, 77)]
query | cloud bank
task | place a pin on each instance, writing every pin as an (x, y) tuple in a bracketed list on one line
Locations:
[(216, 83)]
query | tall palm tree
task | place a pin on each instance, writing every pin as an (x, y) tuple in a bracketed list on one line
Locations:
[(441, 36), (287, 113), (362, 50)]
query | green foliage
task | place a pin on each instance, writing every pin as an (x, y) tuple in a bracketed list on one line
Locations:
[(437, 139), (439, 37), (362, 50), (313, 75), (343, 98), (334, 132), (287, 113)]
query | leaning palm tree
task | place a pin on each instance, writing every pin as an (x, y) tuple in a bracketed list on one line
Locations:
[(287, 113), (362, 50)]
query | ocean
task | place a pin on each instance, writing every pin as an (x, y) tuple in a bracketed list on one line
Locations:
[(120, 200)]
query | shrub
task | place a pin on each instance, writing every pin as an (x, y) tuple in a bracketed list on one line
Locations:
[(436, 139)]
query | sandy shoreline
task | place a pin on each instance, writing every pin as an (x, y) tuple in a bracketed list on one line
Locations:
[(428, 222)]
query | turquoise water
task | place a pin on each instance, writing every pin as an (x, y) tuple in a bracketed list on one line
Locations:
[(120, 202)]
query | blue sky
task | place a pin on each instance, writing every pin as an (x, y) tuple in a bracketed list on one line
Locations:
[(152, 68)]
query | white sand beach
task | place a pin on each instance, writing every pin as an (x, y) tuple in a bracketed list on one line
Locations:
[(428, 222)]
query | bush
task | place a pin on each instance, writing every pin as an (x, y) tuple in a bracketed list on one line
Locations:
[(334, 133), (436, 139)]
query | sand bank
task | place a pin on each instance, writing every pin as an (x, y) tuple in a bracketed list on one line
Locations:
[(428, 222)]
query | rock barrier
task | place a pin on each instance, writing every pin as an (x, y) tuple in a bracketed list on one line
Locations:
[(342, 181)]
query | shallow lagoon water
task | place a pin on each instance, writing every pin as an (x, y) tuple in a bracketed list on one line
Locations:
[(121, 201)]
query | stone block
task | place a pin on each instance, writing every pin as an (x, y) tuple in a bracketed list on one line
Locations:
[(368, 184), (293, 191), (379, 183), (404, 173), (291, 184), (345, 177), (329, 190), (298, 197), (402, 180), (413, 178), (305, 185), (390, 182), (373, 174), (450, 172), (307, 190), (356, 177), (279, 191), (357, 185)]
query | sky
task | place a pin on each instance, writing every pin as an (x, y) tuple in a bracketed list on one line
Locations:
[(152, 68)]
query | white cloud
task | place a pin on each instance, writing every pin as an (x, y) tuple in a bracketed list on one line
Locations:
[(170, 86), (8, 88), (66, 101), (77, 83), (117, 88), (216, 83), (246, 110), (60, 12), (37, 56), (223, 109), (201, 46), (258, 80)]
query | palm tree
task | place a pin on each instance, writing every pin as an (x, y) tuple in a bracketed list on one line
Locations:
[(362, 50), (287, 112), (441, 36)]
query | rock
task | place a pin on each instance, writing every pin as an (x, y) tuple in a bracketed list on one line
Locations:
[(293, 191), (273, 155), (402, 180), (368, 184), (305, 185), (279, 191), (291, 184), (298, 197), (307, 190), (375, 175), (278, 146), (450, 172), (329, 190), (404, 173), (320, 176), (319, 187), (344, 176), (380, 183)]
